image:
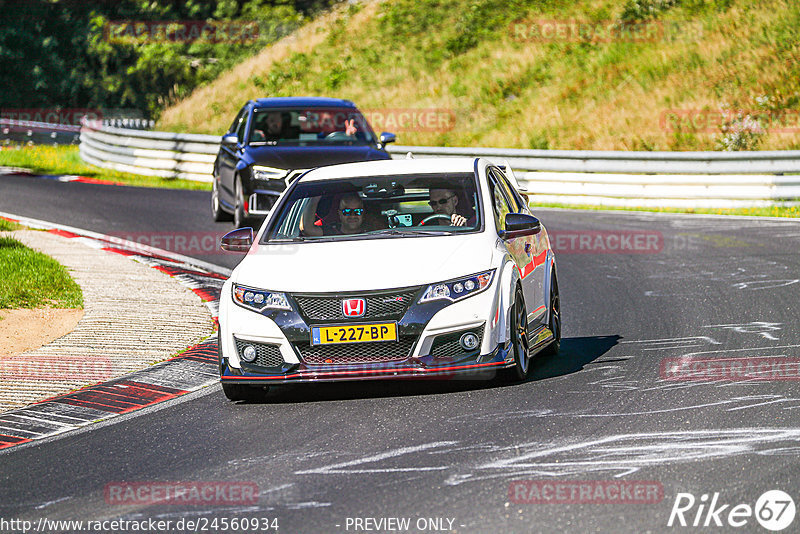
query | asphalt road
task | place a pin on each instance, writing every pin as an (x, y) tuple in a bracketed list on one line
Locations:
[(157, 217), (444, 454)]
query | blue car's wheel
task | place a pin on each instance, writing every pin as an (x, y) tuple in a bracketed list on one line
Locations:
[(240, 218), (218, 214)]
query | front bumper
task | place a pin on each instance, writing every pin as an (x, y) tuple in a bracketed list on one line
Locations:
[(426, 367), (429, 343), (261, 201), (263, 193)]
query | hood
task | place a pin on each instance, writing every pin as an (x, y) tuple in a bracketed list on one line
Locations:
[(308, 157), (363, 265)]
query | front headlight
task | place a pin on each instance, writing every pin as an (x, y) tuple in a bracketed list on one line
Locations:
[(258, 299), (261, 172), (458, 289)]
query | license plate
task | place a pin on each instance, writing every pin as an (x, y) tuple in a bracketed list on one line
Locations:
[(353, 333)]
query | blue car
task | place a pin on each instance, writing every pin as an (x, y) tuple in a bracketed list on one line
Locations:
[(272, 140)]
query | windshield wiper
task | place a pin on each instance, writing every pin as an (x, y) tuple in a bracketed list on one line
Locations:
[(296, 239), (394, 231)]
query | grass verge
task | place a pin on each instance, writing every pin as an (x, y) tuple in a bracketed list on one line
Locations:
[(66, 160), (708, 75), (7, 226), (30, 279)]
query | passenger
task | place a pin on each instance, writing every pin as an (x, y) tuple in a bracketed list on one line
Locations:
[(274, 124), (350, 217)]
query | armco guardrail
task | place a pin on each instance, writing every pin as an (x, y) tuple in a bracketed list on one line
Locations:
[(762, 162), (614, 178), (21, 131), (165, 154), (646, 179)]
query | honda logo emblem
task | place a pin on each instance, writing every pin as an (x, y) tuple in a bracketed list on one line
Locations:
[(353, 307)]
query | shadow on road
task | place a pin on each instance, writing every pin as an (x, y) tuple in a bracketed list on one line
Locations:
[(575, 353)]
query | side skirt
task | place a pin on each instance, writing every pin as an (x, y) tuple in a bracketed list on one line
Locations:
[(539, 338)]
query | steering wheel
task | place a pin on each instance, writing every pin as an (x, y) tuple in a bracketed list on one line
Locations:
[(433, 217), (337, 136)]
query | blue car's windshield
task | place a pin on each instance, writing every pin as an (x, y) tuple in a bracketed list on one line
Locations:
[(309, 126), (378, 207)]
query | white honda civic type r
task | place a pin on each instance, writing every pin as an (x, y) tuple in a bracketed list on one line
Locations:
[(389, 269)]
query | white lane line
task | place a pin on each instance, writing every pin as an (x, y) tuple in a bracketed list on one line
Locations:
[(6, 418)]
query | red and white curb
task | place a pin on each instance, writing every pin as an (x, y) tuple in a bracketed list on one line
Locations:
[(19, 171), (189, 371)]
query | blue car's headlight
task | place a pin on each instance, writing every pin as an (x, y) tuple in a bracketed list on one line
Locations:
[(458, 289), (261, 172), (258, 299)]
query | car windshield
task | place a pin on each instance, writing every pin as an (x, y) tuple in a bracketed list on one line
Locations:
[(377, 207), (310, 126)]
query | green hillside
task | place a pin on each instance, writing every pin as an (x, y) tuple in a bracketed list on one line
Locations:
[(641, 75)]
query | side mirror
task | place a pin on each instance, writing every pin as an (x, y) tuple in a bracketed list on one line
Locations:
[(520, 224), (387, 138), (237, 241), (230, 139)]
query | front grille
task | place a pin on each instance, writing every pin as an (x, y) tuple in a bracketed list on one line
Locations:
[(448, 346), (267, 355), (347, 353), (383, 305)]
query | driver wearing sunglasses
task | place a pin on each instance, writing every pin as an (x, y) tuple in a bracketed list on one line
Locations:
[(444, 202), (350, 217)]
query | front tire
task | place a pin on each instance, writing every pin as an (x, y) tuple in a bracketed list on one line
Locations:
[(519, 339), (238, 392), (241, 392)]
